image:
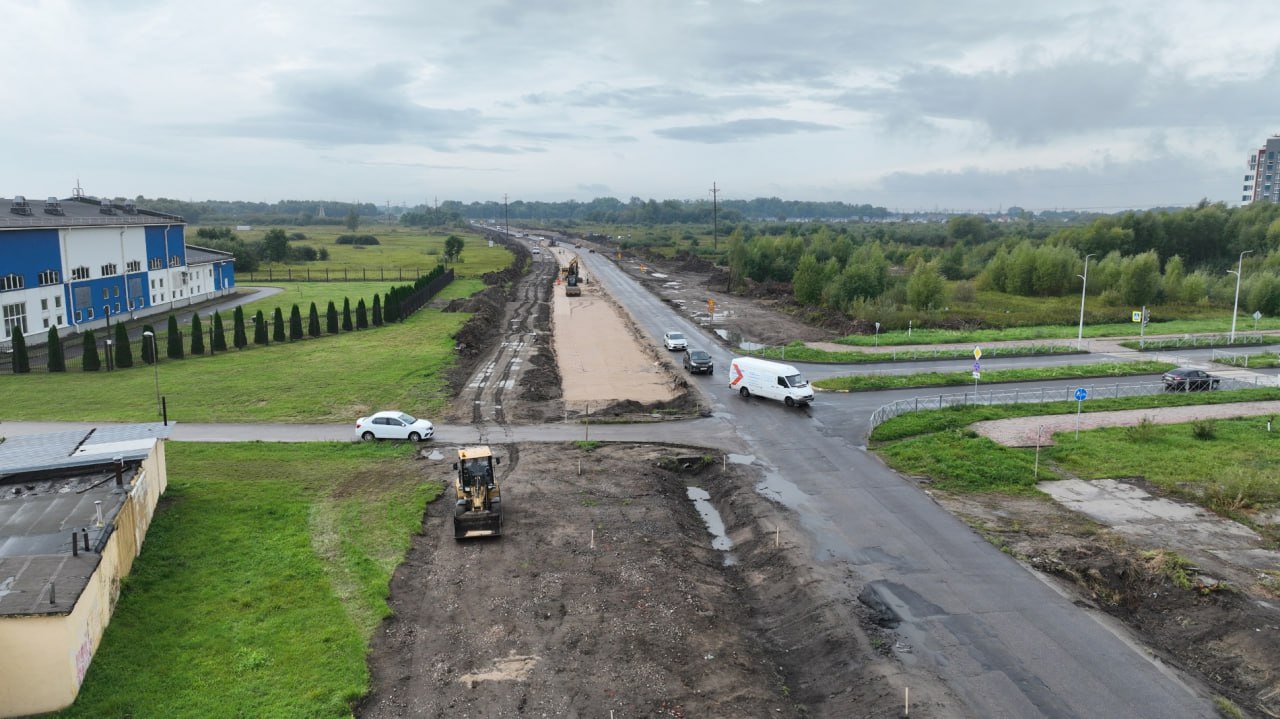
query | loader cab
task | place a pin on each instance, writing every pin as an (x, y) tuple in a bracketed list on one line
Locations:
[(475, 471)]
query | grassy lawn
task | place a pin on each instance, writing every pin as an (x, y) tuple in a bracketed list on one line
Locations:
[(939, 445), (399, 247), (331, 378), (799, 352), (263, 576), (1255, 361), (1060, 332), (872, 382)]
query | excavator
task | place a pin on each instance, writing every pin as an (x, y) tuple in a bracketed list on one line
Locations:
[(477, 510), (572, 281)]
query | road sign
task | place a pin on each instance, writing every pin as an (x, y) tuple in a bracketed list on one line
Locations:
[(977, 374), (977, 366), (1257, 315), (1137, 315), (977, 353), (1082, 394)]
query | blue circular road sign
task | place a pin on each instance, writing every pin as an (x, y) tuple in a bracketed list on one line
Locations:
[(1081, 394)]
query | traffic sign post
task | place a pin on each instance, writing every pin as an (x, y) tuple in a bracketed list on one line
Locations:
[(1256, 316), (1081, 395), (977, 370)]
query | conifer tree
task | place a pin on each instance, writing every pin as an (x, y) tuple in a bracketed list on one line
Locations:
[(175, 338), (57, 359), (331, 318), (313, 321), (277, 326), (346, 315), (260, 329), (21, 362), (123, 350), (197, 335), (148, 345), (219, 333), (89, 360), (362, 315), (295, 323), (377, 311), (240, 338)]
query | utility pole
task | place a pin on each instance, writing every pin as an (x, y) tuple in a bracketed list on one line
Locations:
[(715, 219), (506, 225)]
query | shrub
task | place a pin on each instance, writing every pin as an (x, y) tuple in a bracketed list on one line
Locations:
[(219, 334), (331, 318), (313, 321), (260, 329), (148, 345), (1143, 431), (362, 315), (57, 360), (1204, 429), (175, 338), (356, 240), (89, 360), (197, 335), (295, 323), (21, 364), (277, 326)]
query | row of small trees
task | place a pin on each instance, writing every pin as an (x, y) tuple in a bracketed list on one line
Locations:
[(264, 333)]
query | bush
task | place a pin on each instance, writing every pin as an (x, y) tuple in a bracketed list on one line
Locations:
[(356, 240), (1143, 431), (1204, 429)]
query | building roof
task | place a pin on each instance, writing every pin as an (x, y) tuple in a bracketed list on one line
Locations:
[(204, 255), (77, 212), (52, 488)]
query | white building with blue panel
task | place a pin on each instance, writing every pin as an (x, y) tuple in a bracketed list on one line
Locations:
[(81, 263)]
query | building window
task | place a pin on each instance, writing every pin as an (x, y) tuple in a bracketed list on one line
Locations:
[(133, 266), (44, 304), (156, 263), (175, 261), (46, 323), (59, 319), (110, 269), (57, 301), (48, 277), (115, 291), (12, 282), (106, 293), (117, 308), (80, 273), (162, 282), (89, 312), (79, 316), (15, 318)]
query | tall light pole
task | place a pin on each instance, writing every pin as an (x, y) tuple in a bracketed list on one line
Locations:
[(1236, 307), (1083, 286), (155, 365)]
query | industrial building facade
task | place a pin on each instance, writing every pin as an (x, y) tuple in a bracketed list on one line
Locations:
[(1262, 183), (81, 263)]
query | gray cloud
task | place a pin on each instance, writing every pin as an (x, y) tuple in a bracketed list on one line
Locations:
[(655, 101), (739, 130), (595, 190)]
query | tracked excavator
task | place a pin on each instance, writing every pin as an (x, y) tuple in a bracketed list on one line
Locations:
[(572, 280), (477, 510)]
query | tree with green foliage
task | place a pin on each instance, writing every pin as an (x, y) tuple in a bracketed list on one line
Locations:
[(926, 289), (240, 338), (277, 326), (353, 219), (147, 347), (219, 333), (391, 307), (57, 358), (346, 315), (1264, 294), (331, 318), (197, 334), (1174, 275), (20, 362), (295, 324), (175, 339), (313, 321), (806, 284), (260, 329), (89, 360), (275, 245), (453, 248), (377, 311), (123, 350), (1140, 279), (362, 315)]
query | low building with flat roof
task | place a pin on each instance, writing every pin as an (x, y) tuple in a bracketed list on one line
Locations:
[(74, 510)]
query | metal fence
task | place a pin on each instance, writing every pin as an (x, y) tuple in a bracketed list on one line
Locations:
[(1042, 395), (326, 274)]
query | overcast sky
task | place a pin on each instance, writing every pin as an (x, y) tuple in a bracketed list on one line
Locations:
[(920, 104)]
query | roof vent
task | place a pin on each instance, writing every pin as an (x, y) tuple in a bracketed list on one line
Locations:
[(53, 207), (130, 208), (20, 206), (105, 207)]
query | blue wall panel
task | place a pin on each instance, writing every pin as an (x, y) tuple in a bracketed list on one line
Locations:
[(156, 243), (30, 252)]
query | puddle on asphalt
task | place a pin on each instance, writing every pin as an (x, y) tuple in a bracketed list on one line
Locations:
[(715, 525), (781, 490), (740, 458), (736, 339)]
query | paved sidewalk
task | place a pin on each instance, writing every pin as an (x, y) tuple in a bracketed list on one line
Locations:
[(1022, 431)]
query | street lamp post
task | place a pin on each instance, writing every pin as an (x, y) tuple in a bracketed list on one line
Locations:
[(1083, 285), (1236, 306), (155, 365), (210, 335)]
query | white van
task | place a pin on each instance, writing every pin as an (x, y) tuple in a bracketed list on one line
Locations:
[(774, 380)]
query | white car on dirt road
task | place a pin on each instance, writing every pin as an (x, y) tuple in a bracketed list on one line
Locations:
[(393, 424)]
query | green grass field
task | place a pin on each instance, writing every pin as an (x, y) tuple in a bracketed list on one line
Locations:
[(1060, 332), (399, 247), (265, 572), (334, 378), (800, 352), (874, 382)]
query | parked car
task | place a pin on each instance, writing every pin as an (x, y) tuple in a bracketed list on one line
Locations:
[(393, 424), (699, 361), (673, 340), (1188, 379)]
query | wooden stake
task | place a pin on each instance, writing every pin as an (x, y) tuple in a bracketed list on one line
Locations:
[(593, 539), (777, 536)]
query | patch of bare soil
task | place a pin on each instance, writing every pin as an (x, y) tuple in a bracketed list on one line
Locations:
[(1223, 632), (605, 596)]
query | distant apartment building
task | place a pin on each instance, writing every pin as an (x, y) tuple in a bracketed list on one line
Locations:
[(1262, 183)]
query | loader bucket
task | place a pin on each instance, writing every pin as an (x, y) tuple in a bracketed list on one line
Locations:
[(477, 524)]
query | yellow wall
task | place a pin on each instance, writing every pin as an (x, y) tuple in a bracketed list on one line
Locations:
[(43, 660)]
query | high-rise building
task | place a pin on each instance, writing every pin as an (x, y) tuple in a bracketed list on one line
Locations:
[(1262, 182)]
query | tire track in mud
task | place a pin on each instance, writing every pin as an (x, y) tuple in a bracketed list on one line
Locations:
[(492, 380)]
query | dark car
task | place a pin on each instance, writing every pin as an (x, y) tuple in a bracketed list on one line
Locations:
[(1188, 379), (699, 361)]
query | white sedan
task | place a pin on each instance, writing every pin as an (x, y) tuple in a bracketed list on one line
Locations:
[(393, 425)]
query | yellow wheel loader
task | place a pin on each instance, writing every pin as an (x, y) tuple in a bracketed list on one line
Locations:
[(477, 509)]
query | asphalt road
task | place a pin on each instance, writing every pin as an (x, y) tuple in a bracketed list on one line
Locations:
[(1004, 641)]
